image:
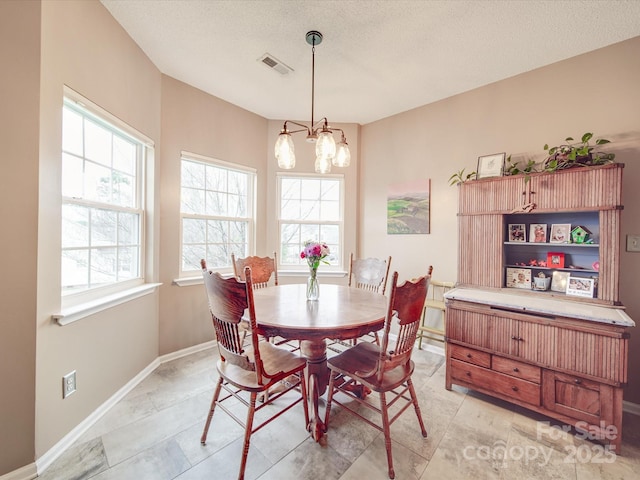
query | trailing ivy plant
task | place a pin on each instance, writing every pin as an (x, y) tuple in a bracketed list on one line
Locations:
[(576, 153), (514, 168), (459, 177)]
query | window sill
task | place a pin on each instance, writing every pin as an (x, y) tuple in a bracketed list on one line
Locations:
[(305, 273), (78, 312), (188, 281)]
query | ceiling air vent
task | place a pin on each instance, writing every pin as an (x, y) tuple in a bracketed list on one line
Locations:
[(275, 64)]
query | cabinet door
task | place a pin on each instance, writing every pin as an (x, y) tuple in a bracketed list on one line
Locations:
[(480, 250), (578, 189), (572, 396)]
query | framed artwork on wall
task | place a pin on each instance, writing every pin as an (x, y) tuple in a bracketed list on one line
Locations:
[(490, 165), (408, 207)]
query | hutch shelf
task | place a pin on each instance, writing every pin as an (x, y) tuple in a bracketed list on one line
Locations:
[(563, 355)]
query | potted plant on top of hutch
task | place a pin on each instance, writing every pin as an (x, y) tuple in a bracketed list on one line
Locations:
[(561, 352)]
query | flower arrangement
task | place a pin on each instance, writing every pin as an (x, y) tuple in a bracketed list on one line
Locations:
[(314, 253)]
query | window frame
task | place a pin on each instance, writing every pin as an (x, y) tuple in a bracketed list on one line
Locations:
[(144, 154), (339, 266), (250, 218)]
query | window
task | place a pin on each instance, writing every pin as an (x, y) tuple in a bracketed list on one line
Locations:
[(102, 201), (310, 208), (216, 212)]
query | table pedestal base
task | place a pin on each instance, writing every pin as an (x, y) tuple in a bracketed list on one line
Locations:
[(315, 351)]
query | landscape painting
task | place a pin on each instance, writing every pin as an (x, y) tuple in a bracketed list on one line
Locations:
[(408, 207)]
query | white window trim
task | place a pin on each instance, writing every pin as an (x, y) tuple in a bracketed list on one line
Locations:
[(80, 311)]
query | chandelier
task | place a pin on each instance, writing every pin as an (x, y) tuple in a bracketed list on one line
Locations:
[(327, 151)]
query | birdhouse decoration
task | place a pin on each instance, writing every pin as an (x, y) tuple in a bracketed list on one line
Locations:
[(580, 234)]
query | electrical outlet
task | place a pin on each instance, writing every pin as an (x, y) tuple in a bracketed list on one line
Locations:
[(68, 384), (633, 243)]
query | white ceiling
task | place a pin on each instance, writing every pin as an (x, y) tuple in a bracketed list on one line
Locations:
[(378, 57)]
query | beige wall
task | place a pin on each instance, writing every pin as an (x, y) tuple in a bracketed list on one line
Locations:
[(19, 87), (84, 48), (596, 92), (196, 122)]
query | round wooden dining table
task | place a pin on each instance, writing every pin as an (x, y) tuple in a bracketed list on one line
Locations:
[(341, 313)]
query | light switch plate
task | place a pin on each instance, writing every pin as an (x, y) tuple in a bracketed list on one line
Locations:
[(633, 243)]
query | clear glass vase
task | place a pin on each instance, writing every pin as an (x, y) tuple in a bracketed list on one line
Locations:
[(313, 287)]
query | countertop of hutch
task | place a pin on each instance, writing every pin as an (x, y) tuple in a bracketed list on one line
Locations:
[(545, 306)]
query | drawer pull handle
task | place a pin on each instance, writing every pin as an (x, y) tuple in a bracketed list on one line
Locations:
[(468, 374), (468, 355), (519, 339), (514, 388), (516, 369), (578, 381)]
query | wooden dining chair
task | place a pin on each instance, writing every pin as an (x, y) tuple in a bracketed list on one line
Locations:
[(262, 269), (384, 369), (369, 274), (249, 370)]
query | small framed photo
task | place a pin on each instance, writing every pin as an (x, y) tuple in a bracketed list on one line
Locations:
[(517, 232), (560, 233), (580, 287), (490, 165), (538, 233), (559, 281), (519, 278), (555, 260)]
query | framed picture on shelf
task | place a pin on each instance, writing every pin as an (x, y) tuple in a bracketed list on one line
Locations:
[(559, 281), (490, 165), (560, 233), (519, 278), (555, 260), (580, 287), (538, 232), (517, 232)]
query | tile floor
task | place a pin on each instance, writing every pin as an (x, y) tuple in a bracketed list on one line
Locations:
[(154, 433)]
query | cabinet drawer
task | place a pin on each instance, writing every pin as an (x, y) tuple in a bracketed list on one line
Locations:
[(469, 355), (516, 369), (496, 382)]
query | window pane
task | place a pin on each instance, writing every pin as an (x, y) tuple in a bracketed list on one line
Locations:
[(218, 256), (103, 228), (97, 143), (75, 226), (75, 270), (238, 232), (72, 176), (237, 206), (128, 263), (237, 183), (128, 229), (310, 189), (309, 210), (97, 181), (216, 204), (103, 266), (330, 211), (191, 256), (124, 155), (192, 174), (192, 201), (194, 231), (217, 231), (72, 132), (123, 189), (331, 190), (216, 179)]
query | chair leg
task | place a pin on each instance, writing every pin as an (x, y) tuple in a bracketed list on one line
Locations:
[(247, 434), (332, 377), (305, 400), (216, 394), (387, 432), (416, 406)]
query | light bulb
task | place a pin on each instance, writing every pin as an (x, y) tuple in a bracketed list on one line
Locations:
[(343, 155), (284, 151), (323, 164)]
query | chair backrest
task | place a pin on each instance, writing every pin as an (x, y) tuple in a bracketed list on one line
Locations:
[(405, 309), (228, 300), (262, 268), (369, 273)]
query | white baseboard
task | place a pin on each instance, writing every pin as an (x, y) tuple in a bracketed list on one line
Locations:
[(433, 348), (59, 448), (28, 472), (630, 407)]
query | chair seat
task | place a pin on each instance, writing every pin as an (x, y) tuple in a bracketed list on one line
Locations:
[(360, 362), (278, 362)]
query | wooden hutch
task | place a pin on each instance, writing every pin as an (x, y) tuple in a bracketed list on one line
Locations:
[(561, 355)]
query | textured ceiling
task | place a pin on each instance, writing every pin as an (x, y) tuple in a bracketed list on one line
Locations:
[(378, 58)]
